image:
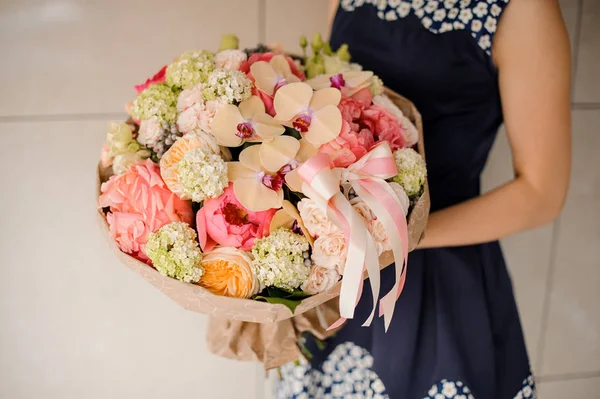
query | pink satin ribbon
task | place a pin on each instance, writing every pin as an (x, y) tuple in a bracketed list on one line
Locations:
[(367, 176)]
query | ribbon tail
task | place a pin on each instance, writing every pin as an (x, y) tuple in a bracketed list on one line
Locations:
[(372, 266)]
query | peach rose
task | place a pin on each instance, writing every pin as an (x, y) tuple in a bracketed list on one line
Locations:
[(225, 221), (140, 203), (380, 237), (329, 251), (316, 221), (228, 271), (363, 209), (320, 279)]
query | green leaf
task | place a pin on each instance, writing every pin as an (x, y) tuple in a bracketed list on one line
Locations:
[(290, 303), (289, 131)]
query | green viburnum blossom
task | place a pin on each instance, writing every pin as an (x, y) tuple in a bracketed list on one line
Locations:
[(279, 259), (190, 69), (157, 101), (202, 174), (174, 252), (411, 171), (376, 85)]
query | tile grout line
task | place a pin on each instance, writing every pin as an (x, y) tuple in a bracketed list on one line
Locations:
[(568, 377), (556, 230)]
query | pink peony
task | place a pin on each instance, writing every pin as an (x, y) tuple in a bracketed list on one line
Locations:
[(158, 78), (226, 222), (267, 99), (140, 203), (349, 146), (384, 126)]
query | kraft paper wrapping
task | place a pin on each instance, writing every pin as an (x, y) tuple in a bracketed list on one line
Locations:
[(250, 330)]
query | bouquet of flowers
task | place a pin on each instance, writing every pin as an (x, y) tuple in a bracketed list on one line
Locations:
[(255, 186)]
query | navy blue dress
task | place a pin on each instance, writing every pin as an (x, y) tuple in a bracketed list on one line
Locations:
[(456, 331)]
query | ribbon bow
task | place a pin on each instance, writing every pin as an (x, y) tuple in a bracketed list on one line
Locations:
[(367, 177)]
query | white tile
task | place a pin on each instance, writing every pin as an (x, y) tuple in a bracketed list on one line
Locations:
[(83, 56), (572, 339), (527, 254), (287, 20), (585, 388), (76, 323), (587, 84)]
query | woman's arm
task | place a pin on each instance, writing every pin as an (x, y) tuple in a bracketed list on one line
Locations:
[(531, 50), (333, 5)]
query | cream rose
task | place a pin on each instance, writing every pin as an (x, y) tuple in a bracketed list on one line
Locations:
[(363, 209), (199, 116), (316, 221), (150, 132), (189, 97), (402, 197), (329, 251), (230, 59), (320, 279), (380, 237)]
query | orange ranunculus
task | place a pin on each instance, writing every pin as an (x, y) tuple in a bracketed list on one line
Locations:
[(228, 271)]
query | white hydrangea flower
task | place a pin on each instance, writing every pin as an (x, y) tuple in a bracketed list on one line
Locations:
[(203, 174), (411, 171), (230, 86), (279, 259), (230, 59)]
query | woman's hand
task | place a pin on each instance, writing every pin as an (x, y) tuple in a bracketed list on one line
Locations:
[(531, 51)]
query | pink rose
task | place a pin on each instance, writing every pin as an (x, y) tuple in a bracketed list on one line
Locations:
[(349, 146), (226, 222), (329, 251), (158, 78), (140, 203), (384, 126)]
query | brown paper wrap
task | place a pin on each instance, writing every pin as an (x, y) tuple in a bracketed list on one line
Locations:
[(245, 329)]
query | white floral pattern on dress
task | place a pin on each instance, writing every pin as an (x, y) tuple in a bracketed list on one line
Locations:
[(446, 389), (346, 373), (439, 16)]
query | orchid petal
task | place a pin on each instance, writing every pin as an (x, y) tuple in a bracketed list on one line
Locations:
[(250, 158), (224, 126), (251, 107), (281, 66), (306, 151), (255, 196), (292, 99), (323, 97), (278, 152), (235, 171), (326, 125), (293, 212), (319, 82), (265, 77), (266, 127), (357, 78), (281, 219), (294, 181)]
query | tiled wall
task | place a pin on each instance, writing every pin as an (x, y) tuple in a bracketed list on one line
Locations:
[(76, 324)]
